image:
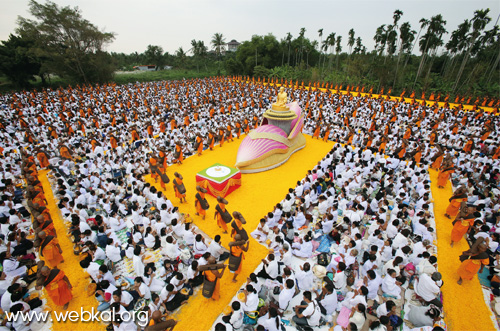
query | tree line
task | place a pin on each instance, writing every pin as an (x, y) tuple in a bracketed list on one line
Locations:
[(59, 41)]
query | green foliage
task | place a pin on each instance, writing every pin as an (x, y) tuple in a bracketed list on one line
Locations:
[(17, 62), (69, 45), (154, 55)]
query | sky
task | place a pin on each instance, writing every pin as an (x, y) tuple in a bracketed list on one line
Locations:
[(173, 24)]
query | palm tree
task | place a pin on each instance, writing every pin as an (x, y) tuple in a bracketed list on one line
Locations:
[(289, 41), (479, 22), (320, 33), (457, 43), (430, 41), (181, 57), (218, 43), (380, 39), (331, 44), (350, 41), (423, 23), (338, 49), (301, 40), (406, 37)]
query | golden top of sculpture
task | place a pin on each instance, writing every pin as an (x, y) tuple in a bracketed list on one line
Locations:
[(281, 100)]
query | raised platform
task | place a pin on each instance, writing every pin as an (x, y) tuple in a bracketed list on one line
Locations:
[(219, 180)]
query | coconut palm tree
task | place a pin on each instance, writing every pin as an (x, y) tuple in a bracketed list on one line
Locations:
[(406, 37), (338, 49), (218, 43), (351, 40), (479, 22), (331, 44), (380, 39), (320, 33), (430, 41), (423, 23), (289, 41)]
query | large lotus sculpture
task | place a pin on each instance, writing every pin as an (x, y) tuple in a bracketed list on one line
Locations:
[(272, 143)]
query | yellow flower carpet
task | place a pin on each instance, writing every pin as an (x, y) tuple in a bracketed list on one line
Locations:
[(464, 305), (71, 267), (257, 196)]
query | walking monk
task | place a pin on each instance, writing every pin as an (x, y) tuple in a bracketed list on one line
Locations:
[(221, 214), (211, 283), (444, 174), (236, 257), (179, 188), (50, 249), (475, 260), (463, 222), (198, 145), (57, 286), (201, 204), (456, 201)]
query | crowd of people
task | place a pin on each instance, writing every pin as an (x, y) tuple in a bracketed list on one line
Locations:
[(353, 242)]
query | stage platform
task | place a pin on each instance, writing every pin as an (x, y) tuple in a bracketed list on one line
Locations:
[(219, 180)]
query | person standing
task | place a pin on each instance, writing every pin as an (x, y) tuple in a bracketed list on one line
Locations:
[(475, 260), (201, 203), (179, 188), (236, 257), (50, 249)]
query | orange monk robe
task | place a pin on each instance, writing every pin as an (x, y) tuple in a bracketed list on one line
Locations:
[(150, 130), (350, 138), (418, 156), (497, 154), (49, 250), (436, 164), (238, 130), (40, 199), (199, 141), (402, 153), (186, 120), (197, 205), (460, 228), (64, 151), (443, 176), (220, 221), (468, 146), (237, 251), (485, 135), (173, 125), (113, 142), (316, 132), (57, 288), (135, 135), (179, 195), (407, 134), (454, 205), (381, 149), (43, 159), (432, 138), (153, 164), (163, 127), (327, 134), (211, 277), (211, 139), (471, 267), (221, 135), (178, 150)]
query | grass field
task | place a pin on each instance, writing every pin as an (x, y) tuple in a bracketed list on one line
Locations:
[(121, 77)]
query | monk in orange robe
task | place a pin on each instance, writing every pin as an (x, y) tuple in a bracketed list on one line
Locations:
[(201, 203), (199, 144), (317, 131), (211, 140), (462, 224), (458, 198), (57, 286), (477, 258), (179, 188), (437, 159), (212, 276), (221, 214), (444, 175), (50, 249), (65, 152), (43, 158), (221, 136), (236, 257), (113, 141), (178, 154), (327, 134)]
